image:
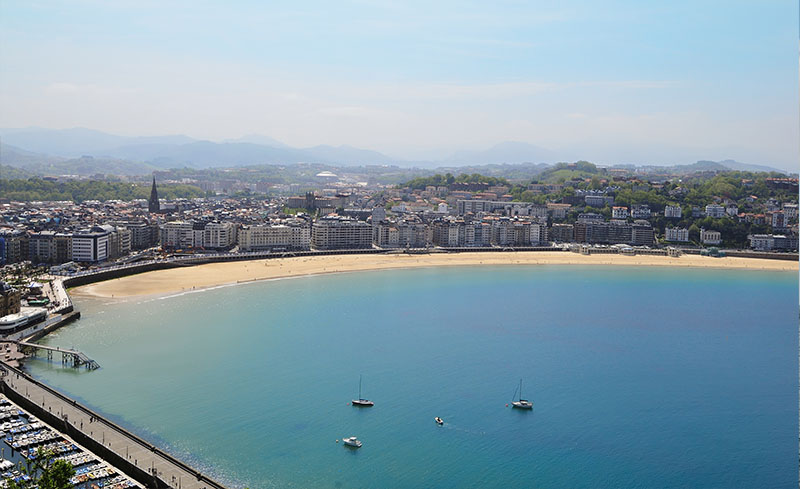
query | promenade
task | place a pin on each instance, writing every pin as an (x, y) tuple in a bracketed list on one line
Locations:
[(139, 453)]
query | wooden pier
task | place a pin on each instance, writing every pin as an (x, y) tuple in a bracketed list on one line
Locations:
[(69, 357)]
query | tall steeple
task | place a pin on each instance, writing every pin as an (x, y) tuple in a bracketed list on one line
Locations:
[(154, 206)]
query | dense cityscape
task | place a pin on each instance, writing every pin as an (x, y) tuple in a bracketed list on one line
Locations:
[(620, 209)]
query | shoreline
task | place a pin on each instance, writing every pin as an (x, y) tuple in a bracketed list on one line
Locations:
[(199, 277)]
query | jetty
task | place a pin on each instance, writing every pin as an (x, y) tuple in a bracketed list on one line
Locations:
[(139, 459), (70, 357)]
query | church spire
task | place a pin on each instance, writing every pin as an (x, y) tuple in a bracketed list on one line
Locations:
[(154, 206)]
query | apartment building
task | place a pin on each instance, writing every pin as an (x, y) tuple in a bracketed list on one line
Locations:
[(290, 236), (336, 232), (676, 235)]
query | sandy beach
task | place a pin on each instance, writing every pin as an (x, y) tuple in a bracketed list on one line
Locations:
[(215, 274)]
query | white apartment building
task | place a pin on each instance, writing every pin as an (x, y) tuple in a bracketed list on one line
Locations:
[(762, 242), (219, 235), (90, 245), (538, 233), (269, 237), (680, 235), (672, 211), (336, 233)]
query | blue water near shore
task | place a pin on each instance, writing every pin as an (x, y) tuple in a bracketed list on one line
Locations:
[(641, 377)]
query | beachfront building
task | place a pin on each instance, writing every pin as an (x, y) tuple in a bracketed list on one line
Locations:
[(562, 233), (400, 234), (91, 245), (710, 237), (762, 242), (269, 237), (334, 232), (42, 247), (143, 234), (13, 246), (219, 235), (672, 211), (676, 235), (177, 235), (769, 242), (642, 233), (63, 247)]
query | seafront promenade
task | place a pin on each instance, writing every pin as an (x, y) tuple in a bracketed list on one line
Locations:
[(139, 459)]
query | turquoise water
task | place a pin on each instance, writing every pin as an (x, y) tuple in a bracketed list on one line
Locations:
[(641, 377)]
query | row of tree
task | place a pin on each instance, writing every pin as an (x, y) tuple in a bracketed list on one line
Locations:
[(440, 180), (81, 190)]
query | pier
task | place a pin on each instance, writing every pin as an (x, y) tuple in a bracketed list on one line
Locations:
[(70, 357), (137, 458)]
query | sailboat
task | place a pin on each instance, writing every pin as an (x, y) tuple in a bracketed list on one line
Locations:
[(522, 403), (361, 401)]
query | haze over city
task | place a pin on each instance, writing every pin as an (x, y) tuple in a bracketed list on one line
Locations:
[(610, 82)]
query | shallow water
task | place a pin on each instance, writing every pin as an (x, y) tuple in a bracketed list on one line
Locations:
[(641, 377)]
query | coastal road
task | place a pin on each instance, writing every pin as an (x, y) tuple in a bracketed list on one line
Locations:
[(141, 454)]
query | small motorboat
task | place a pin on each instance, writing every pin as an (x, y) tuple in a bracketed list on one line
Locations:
[(352, 442), (439, 420)]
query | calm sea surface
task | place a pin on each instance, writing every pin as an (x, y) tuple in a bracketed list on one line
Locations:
[(640, 377)]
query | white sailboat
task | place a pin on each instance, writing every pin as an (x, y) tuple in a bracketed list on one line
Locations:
[(361, 401), (522, 403)]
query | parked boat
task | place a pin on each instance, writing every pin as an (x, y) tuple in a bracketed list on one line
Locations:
[(352, 442), (361, 401), (522, 403), (439, 420)]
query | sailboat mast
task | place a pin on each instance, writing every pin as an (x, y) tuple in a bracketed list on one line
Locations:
[(359, 386), (520, 389)]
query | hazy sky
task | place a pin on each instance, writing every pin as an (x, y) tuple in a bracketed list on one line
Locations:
[(608, 81)]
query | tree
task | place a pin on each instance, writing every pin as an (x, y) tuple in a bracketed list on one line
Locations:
[(43, 472)]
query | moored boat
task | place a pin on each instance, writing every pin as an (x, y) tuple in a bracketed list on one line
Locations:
[(521, 403), (361, 401), (352, 442)]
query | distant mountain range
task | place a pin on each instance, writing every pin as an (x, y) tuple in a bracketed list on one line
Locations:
[(85, 152)]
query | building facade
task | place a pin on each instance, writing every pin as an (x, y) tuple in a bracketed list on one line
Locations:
[(340, 233)]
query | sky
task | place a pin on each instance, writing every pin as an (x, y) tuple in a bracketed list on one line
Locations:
[(610, 82)]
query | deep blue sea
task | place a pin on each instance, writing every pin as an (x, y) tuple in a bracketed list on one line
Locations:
[(640, 377)]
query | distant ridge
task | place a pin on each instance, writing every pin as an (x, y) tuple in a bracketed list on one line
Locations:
[(85, 151)]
